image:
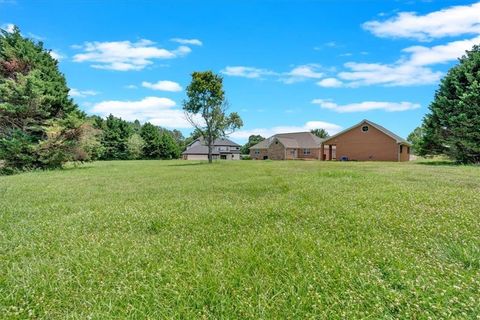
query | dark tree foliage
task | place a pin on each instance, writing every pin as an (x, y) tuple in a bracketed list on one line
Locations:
[(151, 136), (452, 127), (169, 149), (40, 126), (321, 133), (252, 140), (115, 134)]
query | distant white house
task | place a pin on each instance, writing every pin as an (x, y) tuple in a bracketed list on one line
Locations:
[(223, 149)]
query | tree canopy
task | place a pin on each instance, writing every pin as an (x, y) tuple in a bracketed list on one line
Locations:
[(321, 133), (40, 126), (205, 108), (452, 127), (252, 140)]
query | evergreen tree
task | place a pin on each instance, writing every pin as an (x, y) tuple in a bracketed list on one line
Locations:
[(452, 127), (115, 138), (151, 136), (40, 126)]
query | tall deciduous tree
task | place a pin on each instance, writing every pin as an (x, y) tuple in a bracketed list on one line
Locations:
[(168, 147), (415, 138), (40, 126), (206, 108), (452, 127)]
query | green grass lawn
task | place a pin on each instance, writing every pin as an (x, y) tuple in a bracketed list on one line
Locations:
[(244, 239)]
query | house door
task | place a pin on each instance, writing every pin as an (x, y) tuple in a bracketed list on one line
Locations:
[(223, 157)]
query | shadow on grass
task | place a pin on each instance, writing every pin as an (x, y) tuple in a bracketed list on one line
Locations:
[(188, 164), (439, 163)]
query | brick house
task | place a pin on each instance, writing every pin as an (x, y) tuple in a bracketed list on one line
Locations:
[(365, 141)]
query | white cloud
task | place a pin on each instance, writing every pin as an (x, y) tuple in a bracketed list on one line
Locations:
[(56, 55), (164, 85), (452, 21), (330, 83), (398, 74), (421, 56), (130, 86), (366, 106), (301, 73), (8, 27), (81, 93), (267, 132), (159, 111), (246, 72), (125, 55), (192, 42)]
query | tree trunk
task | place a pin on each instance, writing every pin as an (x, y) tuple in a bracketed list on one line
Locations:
[(209, 150)]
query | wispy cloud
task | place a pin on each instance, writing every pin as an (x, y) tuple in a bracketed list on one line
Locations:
[(125, 55), (192, 42), (452, 21), (82, 93), (246, 72), (156, 110), (302, 73), (8, 27), (366, 106), (296, 74), (330, 83), (163, 85)]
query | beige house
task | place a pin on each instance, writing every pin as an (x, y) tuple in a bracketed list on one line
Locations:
[(365, 141), (288, 146), (223, 149)]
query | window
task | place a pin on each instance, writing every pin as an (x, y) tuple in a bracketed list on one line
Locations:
[(365, 129), (257, 151), (306, 151), (408, 150), (401, 148), (292, 151)]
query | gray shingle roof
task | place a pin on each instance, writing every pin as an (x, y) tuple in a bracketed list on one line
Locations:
[(199, 149), (305, 140), (203, 148), (220, 142)]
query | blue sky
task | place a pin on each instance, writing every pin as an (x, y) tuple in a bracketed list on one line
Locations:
[(287, 65)]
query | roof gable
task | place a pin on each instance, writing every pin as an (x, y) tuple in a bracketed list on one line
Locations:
[(387, 132)]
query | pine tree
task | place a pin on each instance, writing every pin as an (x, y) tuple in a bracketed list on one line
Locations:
[(452, 127), (151, 136), (115, 138), (40, 126)]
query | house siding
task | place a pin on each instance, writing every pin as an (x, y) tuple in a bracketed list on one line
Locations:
[(371, 145), (260, 156)]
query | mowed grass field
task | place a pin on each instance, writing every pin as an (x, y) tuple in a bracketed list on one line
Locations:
[(244, 239)]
